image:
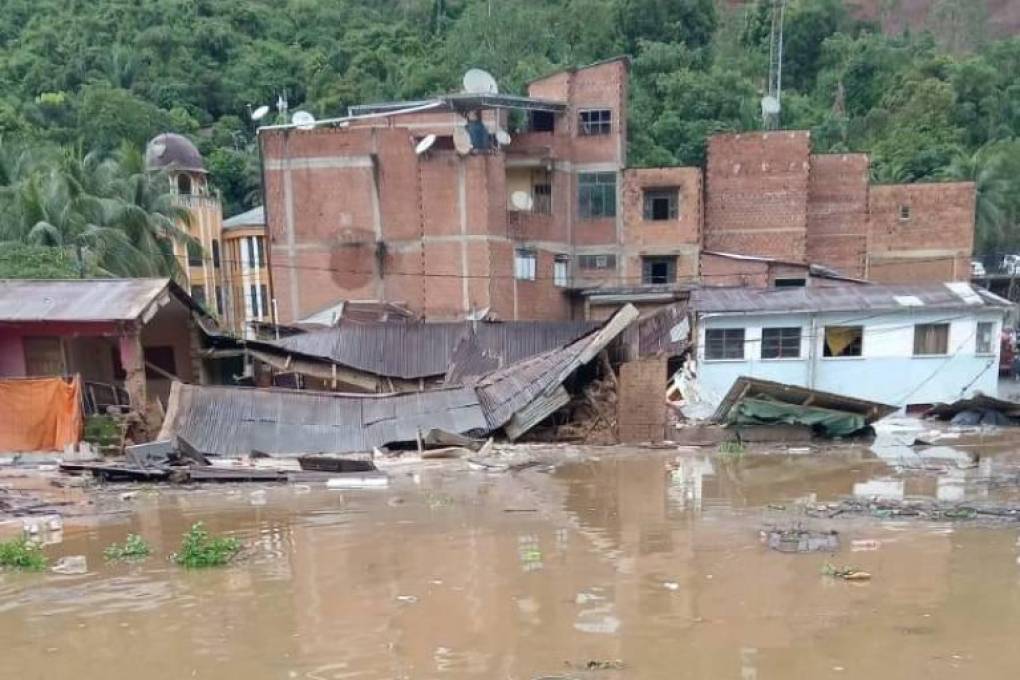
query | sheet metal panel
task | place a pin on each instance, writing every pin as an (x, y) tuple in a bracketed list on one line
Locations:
[(77, 299)]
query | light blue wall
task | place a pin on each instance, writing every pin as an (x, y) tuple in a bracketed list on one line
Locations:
[(887, 372)]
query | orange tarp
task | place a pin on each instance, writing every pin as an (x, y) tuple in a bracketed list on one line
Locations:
[(39, 414)]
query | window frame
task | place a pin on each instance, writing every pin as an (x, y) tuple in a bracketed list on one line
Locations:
[(991, 339), (589, 262), (595, 187), (649, 261), (195, 254), (905, 212), (525, 264), (599, 122), (651, 194), (726, 332), (782, 330), (825, 344), (561, 271), (943, 341)]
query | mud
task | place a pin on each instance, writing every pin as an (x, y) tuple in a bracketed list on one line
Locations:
[(611, 564)]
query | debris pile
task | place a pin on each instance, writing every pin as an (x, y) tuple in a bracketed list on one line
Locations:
[(924, 509)]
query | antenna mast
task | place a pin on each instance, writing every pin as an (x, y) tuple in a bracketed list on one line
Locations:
[(771, 103)]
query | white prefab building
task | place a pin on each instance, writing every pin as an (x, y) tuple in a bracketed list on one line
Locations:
[(898, 345)]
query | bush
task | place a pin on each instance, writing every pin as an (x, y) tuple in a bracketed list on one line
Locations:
[(133, 549), (21, 554), (199, 549)]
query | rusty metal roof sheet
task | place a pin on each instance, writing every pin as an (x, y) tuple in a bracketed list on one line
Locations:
[(419, 350), (82, 299), (850, 298), (232, 421)]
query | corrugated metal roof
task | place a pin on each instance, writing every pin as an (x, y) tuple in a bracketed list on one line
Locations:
[(419, 350), (78, 299), (851, 298), (256, 217), (233, 421)]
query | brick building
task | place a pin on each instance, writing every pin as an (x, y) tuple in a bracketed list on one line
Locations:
[(522, 206)]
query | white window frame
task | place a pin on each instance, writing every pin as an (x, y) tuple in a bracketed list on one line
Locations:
[(525, 264), (990, 351), (561, 271)]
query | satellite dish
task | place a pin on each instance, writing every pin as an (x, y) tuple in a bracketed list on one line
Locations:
[(477, 81), (461, 140), (303, 120), (260, 112), (769, 105), (502, 136), (425, 144), (521, 200)]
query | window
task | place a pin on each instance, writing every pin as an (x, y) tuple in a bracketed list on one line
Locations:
[(596, 122), (780, 343), (724, 343), (596, 261), (219, 300), (198, 294), (985, 344), (661, 204), (184, 184), (264, 291), (541, 199), (524, 265), (259, 300), (904, 213), (194, 254), (931, 338), (561, 270), (596, 194), (541, 121), (843, 341), (790, 283), (658, 270), (216, 253)]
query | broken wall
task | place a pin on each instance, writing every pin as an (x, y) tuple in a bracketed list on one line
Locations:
[(641, 404), (837, 214)]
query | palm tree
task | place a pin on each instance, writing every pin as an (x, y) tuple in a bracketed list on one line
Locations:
[(995, 184)]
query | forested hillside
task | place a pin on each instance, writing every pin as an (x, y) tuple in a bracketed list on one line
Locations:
[(927, 105)]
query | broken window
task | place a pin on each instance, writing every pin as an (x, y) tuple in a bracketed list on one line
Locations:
[(780, 343), (596, 194), (524, 265), (984, 343), (541, 198), (596, 261), (843, 341), (541, 121), (561, 270), (931, 338), (658, 270), (790, 283), (904, 212), (661, 204), (724, 343), (595, 122)]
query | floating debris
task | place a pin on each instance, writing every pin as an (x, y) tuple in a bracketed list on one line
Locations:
[(846, 573), (798, 540)]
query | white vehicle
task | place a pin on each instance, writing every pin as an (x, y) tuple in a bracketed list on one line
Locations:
[(1011, 265), (977, 269)]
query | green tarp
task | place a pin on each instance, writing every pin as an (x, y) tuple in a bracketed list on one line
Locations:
[(764, 411)]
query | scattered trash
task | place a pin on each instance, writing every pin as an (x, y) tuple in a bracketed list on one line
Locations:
[(864, 544), (409, 599), (72, 565), (597, 665), (359, 481), (846, 573), (799, 540), (671, 585), (257, 497), (129, 495)]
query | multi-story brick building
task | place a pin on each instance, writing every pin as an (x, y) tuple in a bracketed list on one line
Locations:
[(519, 205)]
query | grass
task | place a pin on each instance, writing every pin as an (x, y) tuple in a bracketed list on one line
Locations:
[(200, 549), (102, 430), (731, 449), (22, 554), (133, 549)]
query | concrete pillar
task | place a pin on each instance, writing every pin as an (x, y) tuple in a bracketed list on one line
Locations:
[(132, 359)]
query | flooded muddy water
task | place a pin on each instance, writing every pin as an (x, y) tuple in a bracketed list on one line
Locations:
[(650, 564)]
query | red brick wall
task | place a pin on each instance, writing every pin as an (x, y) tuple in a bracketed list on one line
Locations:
[(641, 402), (933, 244), (757, 191), (837, 216)]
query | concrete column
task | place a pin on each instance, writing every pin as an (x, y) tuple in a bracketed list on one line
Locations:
[(132, 359)]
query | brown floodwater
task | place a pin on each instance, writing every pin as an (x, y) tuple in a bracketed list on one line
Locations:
[(650, 559)]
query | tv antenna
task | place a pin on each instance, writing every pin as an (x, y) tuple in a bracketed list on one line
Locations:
[(477, 81), (303, 120), (772, 103), (425, 144)]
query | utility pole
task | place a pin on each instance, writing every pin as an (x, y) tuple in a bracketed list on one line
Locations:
[(772, 102)]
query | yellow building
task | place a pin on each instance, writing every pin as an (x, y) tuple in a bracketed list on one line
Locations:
[(226, 265)]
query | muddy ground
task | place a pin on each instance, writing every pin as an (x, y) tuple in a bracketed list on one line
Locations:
[(595, 563)]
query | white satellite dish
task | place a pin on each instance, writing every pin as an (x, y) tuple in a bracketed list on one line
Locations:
[(461, 140), (769, 105), (303, 120), (502, 136), (260, 112), (521, 200), (477, 81), (425, 144)]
